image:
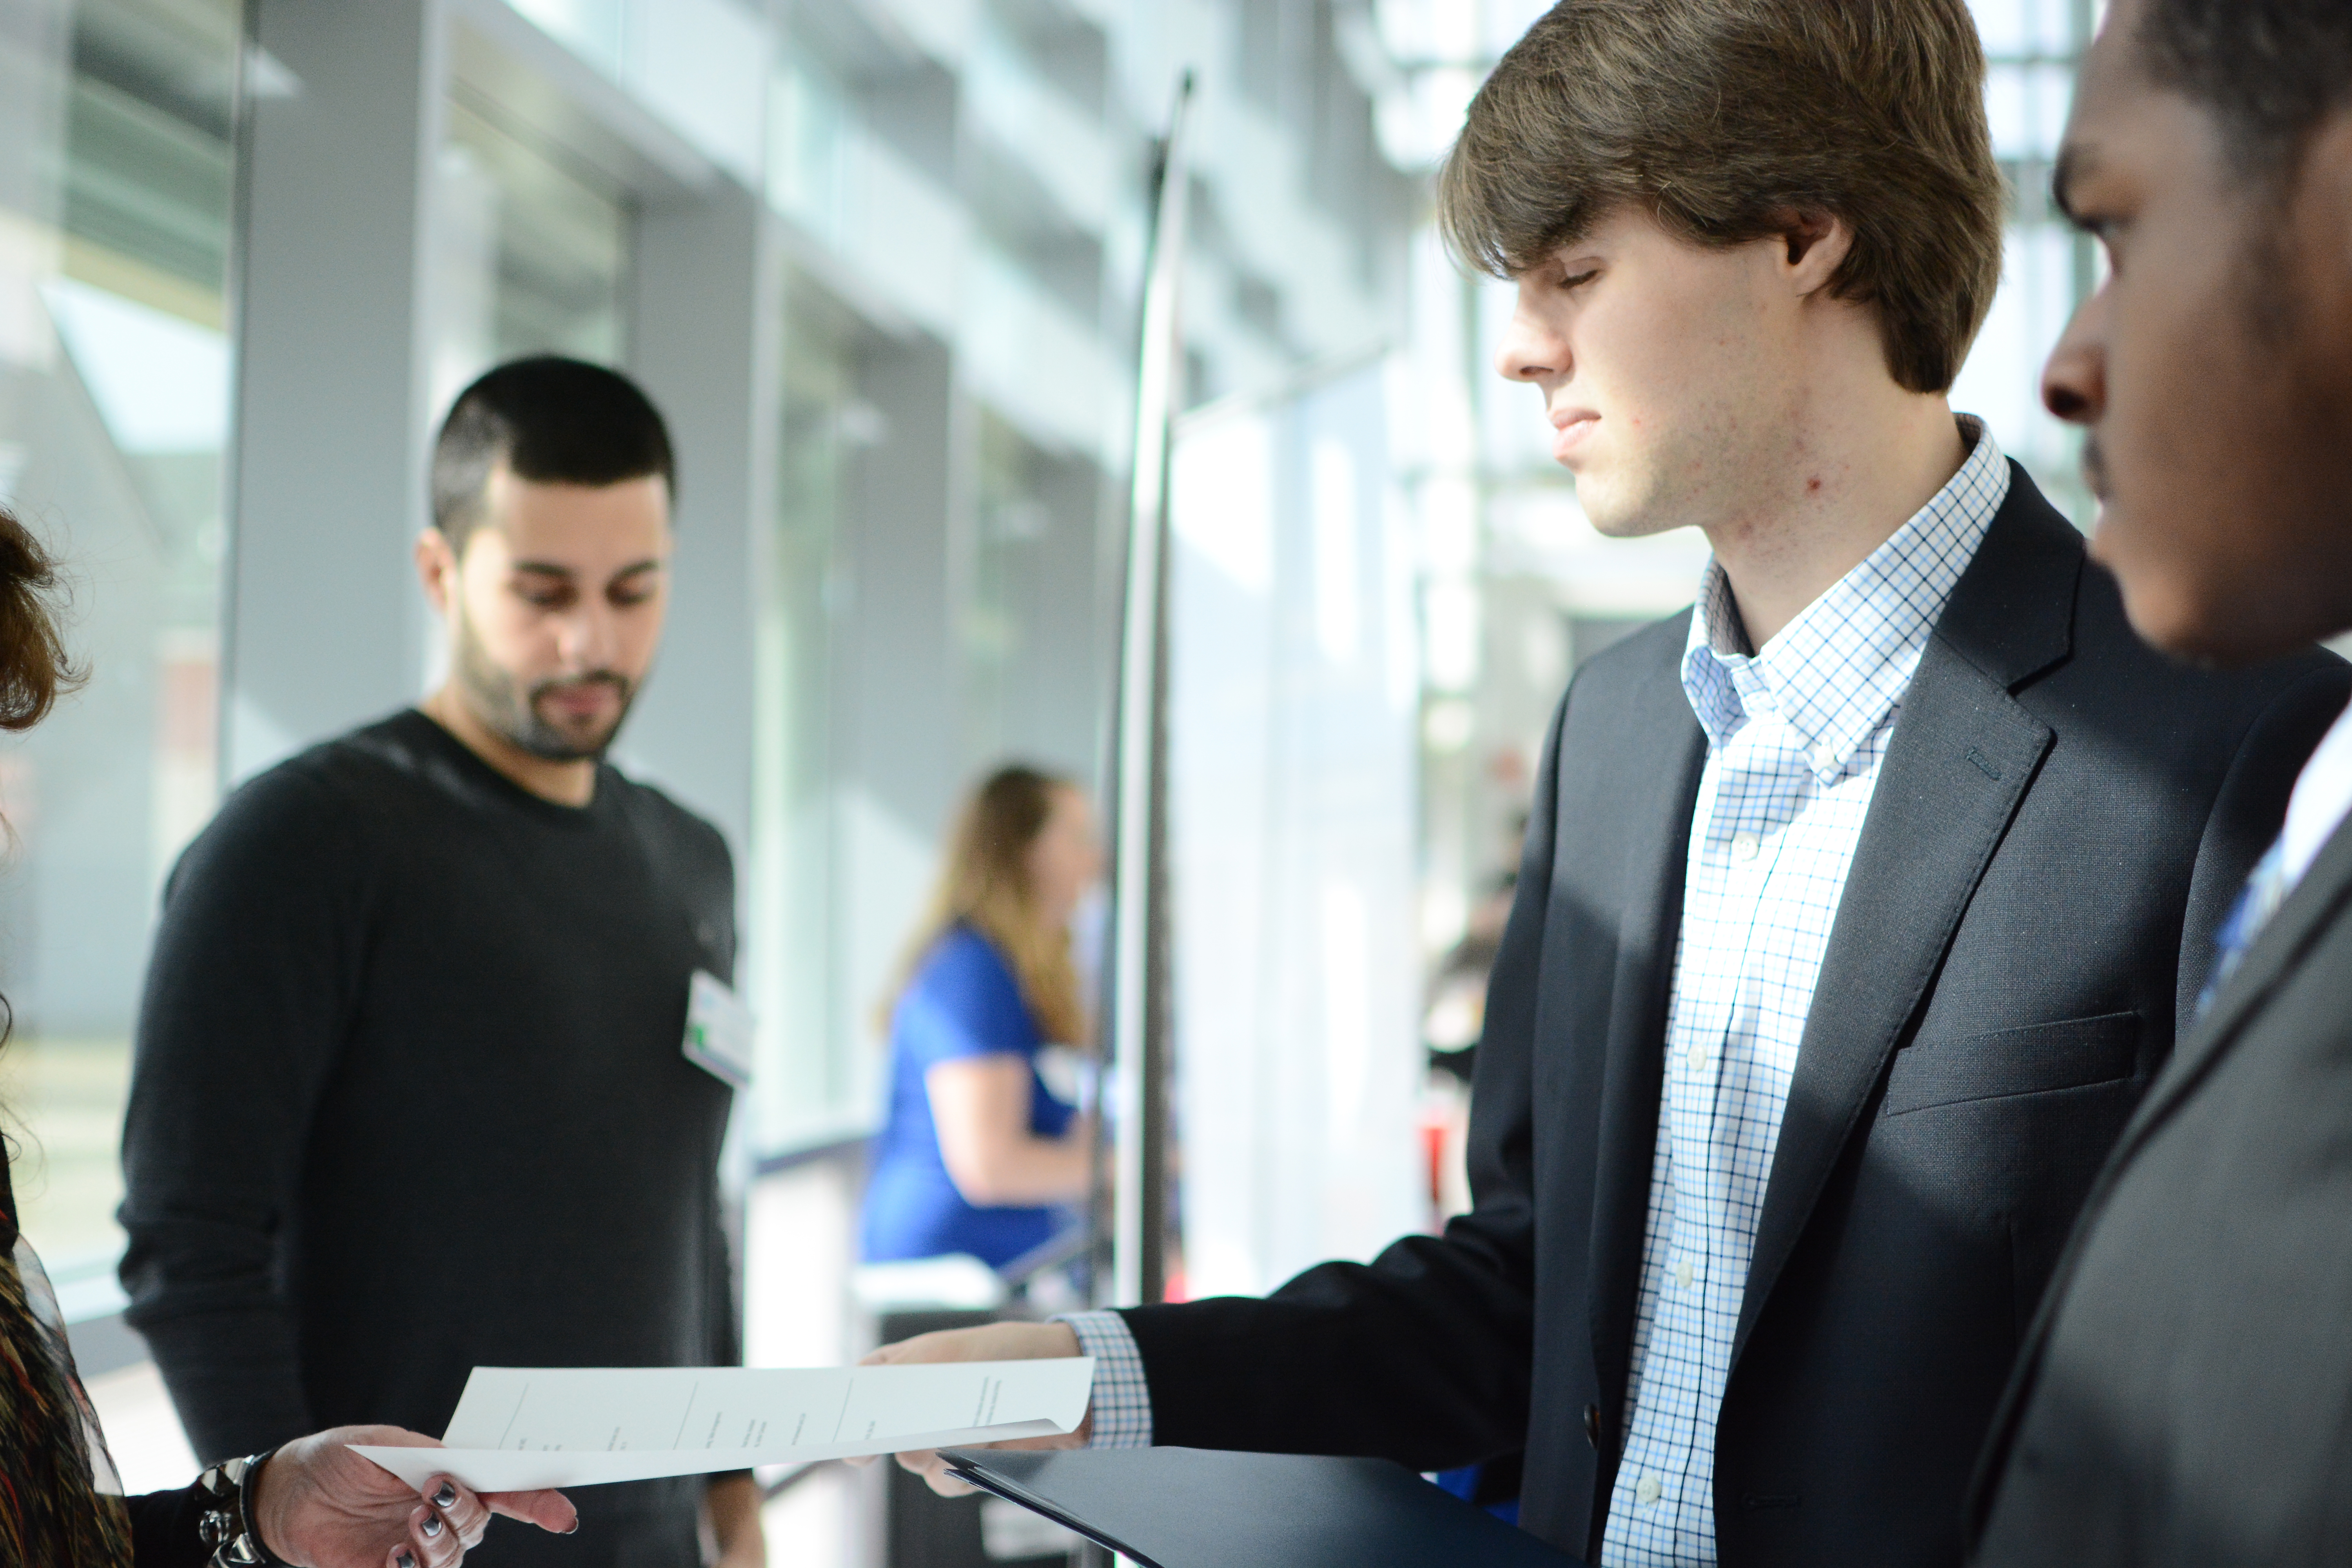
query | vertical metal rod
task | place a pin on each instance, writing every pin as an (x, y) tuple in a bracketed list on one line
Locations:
[(1139, 978)]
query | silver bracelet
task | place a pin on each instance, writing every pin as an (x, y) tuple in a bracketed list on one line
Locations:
[(227, 1524)]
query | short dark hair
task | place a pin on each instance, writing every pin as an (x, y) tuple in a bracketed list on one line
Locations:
[(1721, 117), (550, 420), (2270, 71)]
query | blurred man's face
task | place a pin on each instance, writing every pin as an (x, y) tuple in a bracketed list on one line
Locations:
[(2213, 369), (558, 613), (1674, 376)]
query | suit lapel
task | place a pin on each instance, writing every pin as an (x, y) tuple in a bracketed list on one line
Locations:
[(2273, 958), (1674, 754), (2317, 903), (1960, 761)]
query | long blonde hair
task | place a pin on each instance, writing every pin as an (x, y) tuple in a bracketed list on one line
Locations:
[(985, 884)]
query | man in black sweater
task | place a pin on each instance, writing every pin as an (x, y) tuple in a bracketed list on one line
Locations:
[(410, 1095)]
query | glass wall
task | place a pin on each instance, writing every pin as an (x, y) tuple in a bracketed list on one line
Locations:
[(114, 396), (532, 250), (815, 1085)]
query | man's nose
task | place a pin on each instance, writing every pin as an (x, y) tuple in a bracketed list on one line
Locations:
[(1529, 350), (591, 635), (2075, 381)]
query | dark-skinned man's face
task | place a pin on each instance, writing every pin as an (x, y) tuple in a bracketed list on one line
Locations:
[(2214, 368)]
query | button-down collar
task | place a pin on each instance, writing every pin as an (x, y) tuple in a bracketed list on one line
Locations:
[(1834, 672)]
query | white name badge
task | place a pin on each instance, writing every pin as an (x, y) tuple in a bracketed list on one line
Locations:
[(719, 1031)]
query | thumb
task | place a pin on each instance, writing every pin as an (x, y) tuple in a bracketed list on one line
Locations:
[(550, 1510)]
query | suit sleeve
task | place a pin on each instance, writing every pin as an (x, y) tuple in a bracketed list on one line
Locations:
[(2248, 809), (1422, 1355), (247, 1001)]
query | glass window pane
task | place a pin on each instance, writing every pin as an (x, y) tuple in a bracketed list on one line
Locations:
[(114, 406), (532, 254)]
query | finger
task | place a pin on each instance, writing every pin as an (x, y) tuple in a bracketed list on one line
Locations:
[(435, 1543), (927, 1463), (466, 1513), (882, 1355), (945, 1483), (550, 1510)]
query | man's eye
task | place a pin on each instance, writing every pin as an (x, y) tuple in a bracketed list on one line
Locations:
[(545, 598), (1579, 279)]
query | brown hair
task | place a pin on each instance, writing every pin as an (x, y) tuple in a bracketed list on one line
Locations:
[(35, 669), (1721, 118), (986, 885)]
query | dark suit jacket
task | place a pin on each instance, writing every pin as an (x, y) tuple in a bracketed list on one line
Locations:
[(2187, 1397), (2062, 814)]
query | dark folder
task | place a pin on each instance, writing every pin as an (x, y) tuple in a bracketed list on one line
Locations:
[(1196, 1508)]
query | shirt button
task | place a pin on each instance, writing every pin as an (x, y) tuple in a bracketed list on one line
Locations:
[(1696, 1057), (1647, 1492), (1744, 846), (1824, 760), (1683, 1273)]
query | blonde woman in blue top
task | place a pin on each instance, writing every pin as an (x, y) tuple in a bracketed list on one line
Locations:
[(978, 1156)]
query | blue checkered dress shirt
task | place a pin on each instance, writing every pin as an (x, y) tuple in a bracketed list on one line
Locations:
[(1795, 737)]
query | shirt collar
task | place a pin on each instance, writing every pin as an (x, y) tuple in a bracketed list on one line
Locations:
[(1837, 670), (2321, 801)]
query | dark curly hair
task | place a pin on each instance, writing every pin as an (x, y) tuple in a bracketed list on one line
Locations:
[(34, 668)]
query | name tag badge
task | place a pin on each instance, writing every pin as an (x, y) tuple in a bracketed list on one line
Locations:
[(719, 1031)]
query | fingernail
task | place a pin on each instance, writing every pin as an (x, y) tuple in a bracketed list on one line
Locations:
[(575, 1526), (446, 1496), (432, 1526)]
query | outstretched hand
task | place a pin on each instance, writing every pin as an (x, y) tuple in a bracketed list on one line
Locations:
[(319, 1505), (991, 1342)]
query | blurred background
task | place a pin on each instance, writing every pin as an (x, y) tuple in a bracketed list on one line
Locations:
[(880, 261)]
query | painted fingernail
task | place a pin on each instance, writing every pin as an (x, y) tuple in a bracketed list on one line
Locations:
[(432, 1526), (446, 1496)]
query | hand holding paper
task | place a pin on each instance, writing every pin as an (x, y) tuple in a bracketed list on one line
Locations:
[(517, 1429)]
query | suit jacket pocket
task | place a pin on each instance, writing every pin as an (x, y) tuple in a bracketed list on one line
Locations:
[(2031, 1060)]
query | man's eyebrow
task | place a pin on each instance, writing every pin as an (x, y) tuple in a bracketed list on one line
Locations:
[(552, 569)]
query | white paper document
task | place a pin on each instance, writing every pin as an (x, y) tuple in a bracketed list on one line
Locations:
[(517, 1429)]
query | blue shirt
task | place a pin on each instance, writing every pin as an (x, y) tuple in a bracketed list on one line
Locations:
[(963, 1002)]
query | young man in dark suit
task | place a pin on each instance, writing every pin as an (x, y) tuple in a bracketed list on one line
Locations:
[(2186, 1395), (1852, 921)]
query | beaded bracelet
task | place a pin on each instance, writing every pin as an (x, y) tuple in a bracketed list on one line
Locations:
[(228, 1524)]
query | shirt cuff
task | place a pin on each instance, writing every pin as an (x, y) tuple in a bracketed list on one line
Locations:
[(1123, 1397)]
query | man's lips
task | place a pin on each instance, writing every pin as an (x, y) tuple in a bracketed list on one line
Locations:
[(586, 699), (1571, 427)]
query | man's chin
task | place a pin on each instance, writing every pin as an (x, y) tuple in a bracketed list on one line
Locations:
[(2180, 615), (562, 743)]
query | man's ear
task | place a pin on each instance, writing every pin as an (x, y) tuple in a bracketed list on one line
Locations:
[(1814, 245), (437, 568)]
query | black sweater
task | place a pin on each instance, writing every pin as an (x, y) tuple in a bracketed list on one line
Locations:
[(409, 1098)]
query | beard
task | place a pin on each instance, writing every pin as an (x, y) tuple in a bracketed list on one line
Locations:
[(508, 706)]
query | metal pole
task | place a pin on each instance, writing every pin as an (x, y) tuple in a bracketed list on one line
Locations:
[(1137, 997)]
